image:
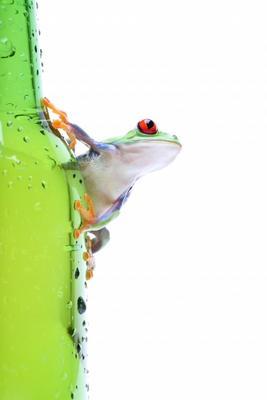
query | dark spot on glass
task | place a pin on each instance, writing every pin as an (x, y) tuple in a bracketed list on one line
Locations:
[(81, 305), (77, 273), (74, 175), (84, 322), (35, 49), (72, 395), (80, 181), (71, 330), (78, 348)]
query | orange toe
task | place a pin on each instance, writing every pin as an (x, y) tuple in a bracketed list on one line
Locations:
[(73, 144), (77, 204), (57, 124), (86, 256), (76, 233), (89, 274), (45, 102)]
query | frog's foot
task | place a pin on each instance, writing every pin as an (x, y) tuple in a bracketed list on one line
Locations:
[(59, 124), (87, 215), (89, 258), (47, 104), (90, 263)]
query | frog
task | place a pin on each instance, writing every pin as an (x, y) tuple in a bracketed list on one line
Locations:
[(110, 168)]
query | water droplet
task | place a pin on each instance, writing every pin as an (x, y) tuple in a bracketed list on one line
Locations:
[(30, 186), (4, 172), (6, 48), (9, 123), (10, 184), (77, 273), (43, 183), (20, 129), (60, 294), (26, 97), (19, 178), (81, 305), (7, 2), (26, 139), (30, 178), (37, 206), (69, 304)]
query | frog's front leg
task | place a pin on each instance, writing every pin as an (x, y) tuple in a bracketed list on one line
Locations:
[(62, 122), (49, 105), (87, 215)]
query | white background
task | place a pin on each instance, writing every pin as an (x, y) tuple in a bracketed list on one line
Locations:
[(178, 305)]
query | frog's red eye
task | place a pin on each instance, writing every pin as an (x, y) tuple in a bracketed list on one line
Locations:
[(147, 126)]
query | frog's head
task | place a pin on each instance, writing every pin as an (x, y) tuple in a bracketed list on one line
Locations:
[(146, 148)]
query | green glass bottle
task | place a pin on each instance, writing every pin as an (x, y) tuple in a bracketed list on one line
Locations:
[(43, 330)]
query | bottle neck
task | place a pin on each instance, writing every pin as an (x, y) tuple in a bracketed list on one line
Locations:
[(20, 87)]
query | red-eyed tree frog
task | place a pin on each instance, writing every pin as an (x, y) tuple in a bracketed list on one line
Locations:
[(111, 168)]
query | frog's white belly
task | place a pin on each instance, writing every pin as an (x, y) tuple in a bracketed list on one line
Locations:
[(113, 172)]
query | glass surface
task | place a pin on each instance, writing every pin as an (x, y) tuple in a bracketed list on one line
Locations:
[(43, 332)]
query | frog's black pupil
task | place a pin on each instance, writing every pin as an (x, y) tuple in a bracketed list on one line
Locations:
[(150, 124)]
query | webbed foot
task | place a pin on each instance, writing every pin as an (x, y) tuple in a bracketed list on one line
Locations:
[(87, 215), (89, 258)]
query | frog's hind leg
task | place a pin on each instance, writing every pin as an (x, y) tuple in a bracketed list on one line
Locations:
[(87, 215)]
